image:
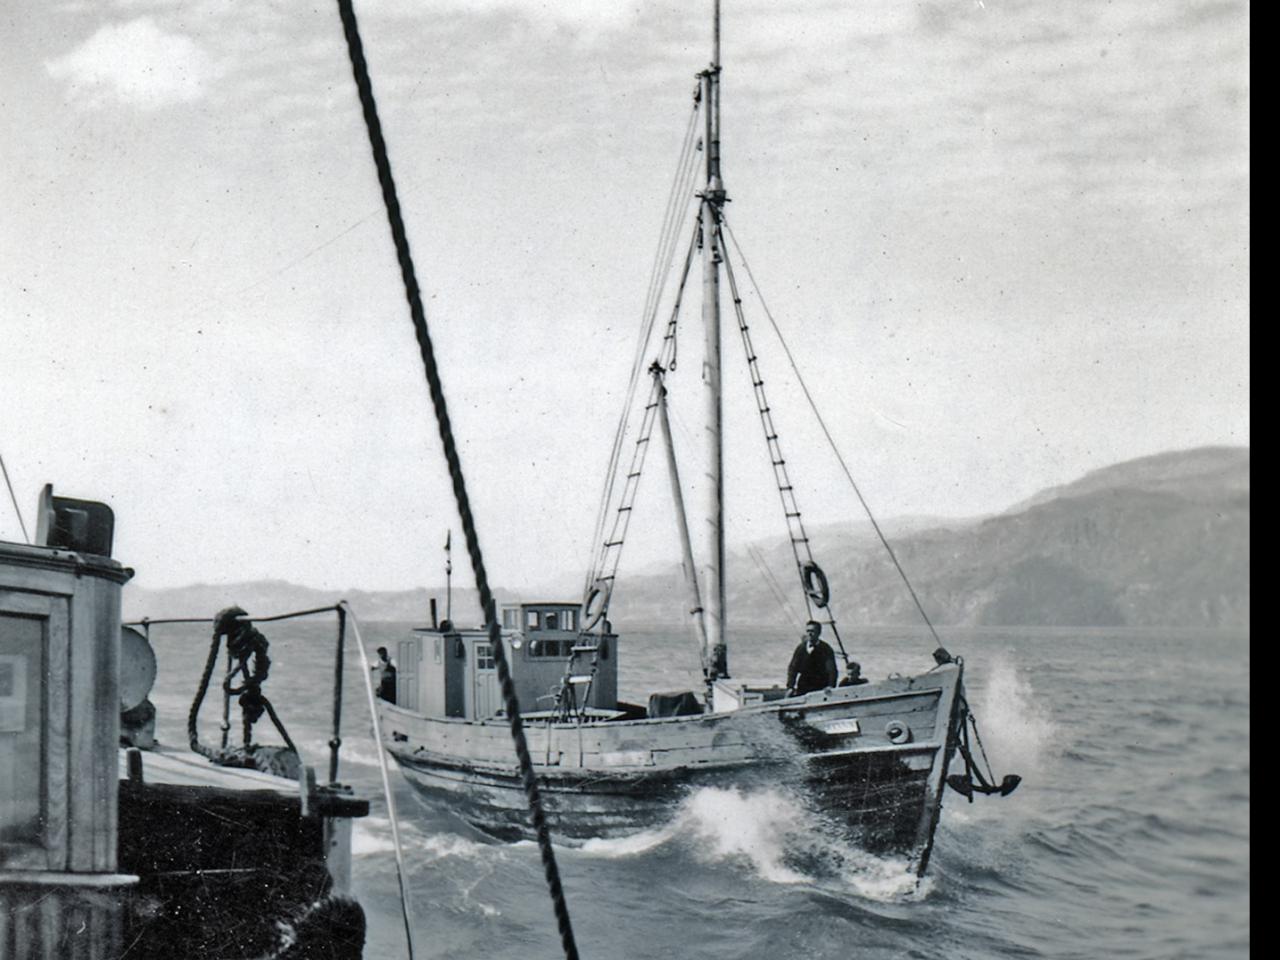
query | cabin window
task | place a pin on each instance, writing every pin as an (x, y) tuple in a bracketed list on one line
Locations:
[(509, 618), (531, 619), (22, 672), (551, 622), (571, 619), (550, 648), (484, 656)]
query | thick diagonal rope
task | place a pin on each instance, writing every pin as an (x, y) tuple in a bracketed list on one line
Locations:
[(827, 433), (359, 67)]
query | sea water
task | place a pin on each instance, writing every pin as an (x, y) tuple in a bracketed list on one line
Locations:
[(1128, 838)]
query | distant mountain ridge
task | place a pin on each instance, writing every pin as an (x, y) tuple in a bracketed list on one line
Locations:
[(1162, 540), (267, 597)]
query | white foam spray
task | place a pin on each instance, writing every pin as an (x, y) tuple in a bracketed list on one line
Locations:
[(773, 834), (1015, 724), (372, 835)]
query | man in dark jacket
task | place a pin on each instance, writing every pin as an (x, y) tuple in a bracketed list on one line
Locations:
[(813, 665), (385, 669)]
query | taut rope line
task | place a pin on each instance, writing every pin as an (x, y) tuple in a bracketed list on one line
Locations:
[(831, 440), (345, 610), (360, 69)]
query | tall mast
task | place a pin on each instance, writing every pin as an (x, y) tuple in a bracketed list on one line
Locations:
[(713, 198)]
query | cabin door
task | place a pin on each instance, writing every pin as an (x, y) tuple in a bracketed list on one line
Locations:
[(488, 692)]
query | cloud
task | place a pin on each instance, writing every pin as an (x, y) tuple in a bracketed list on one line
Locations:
[(136, 63)]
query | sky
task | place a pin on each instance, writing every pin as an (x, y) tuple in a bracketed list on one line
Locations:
[(1006, 241)]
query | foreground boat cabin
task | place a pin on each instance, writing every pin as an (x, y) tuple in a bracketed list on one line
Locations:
[(111, 844)]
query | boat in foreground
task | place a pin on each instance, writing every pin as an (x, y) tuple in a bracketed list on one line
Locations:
[(114, 845)]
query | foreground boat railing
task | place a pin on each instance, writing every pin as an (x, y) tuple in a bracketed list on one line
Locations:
[(344, 613), (335, 741)]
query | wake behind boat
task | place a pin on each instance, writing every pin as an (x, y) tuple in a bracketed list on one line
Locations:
[(871, 758)]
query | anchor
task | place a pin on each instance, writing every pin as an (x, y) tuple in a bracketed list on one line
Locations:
[(973, 780)]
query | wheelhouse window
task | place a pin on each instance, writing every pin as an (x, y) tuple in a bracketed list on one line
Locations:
[(550, 648), (484, 656)]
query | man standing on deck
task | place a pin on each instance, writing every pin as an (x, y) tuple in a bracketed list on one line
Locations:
[(386, 674), (813, 665)]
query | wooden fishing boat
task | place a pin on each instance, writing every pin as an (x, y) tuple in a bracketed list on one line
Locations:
[(870, 758)]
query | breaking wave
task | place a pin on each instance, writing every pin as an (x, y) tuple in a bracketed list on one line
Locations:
[(372, 835), (775, 836)]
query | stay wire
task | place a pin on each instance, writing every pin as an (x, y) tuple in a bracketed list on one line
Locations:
[(831, 440), (364, 85), (14, 498), (663, 256), (648, 324)]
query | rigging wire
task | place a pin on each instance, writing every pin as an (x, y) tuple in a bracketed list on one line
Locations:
[(14, 498), (801, 549), (604, 565), (831, 440), (775, 588), (681, 187), (364, 85)]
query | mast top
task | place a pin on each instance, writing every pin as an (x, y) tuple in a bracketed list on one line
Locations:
[(711, 79), (715, 48)]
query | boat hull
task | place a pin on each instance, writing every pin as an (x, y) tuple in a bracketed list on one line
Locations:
[(870, 760)]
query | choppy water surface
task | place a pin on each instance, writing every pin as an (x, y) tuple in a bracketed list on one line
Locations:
[(1129, 836)]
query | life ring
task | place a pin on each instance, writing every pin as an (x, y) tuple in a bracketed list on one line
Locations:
[(597, 603), (897, 732), (815, 584)]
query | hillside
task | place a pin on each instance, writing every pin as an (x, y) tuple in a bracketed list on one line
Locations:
[(1161, 540), (1158, 541), (278, 596)]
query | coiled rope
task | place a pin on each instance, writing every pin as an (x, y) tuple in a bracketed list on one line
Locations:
[(359, 67), (251, 684)]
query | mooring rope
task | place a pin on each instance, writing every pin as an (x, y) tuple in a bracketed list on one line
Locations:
[(364, 85), (193, 715), (401, 874), (830, 439)]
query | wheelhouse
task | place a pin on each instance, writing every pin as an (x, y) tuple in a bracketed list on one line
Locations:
[(447, 671)]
